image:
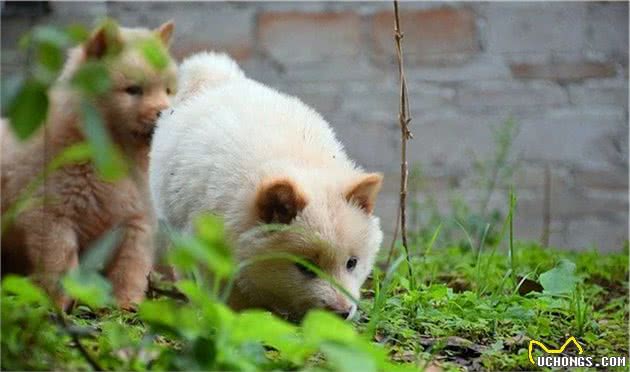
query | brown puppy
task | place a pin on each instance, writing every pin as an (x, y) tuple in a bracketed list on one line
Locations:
[(78, 206)]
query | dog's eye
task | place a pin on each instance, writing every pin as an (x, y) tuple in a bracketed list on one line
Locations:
[(305, 270), (351, 264), (169, 91), (134, 90)]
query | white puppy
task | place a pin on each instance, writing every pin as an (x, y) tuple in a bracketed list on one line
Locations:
[(241, 150)]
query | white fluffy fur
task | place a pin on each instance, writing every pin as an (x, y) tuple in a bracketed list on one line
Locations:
[(196, 74), (226, 134)]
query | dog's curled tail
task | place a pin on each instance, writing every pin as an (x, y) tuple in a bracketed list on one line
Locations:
[(205, 69)]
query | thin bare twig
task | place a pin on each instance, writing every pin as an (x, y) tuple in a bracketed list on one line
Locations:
[(394, 238), (404, 118)]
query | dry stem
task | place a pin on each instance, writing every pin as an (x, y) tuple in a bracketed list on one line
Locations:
[(404, 118)]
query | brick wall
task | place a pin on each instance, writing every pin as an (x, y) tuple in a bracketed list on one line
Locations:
[(559, 69)]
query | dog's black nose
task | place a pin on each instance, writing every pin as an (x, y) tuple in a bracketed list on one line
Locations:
[(340, 312), (343, 314)]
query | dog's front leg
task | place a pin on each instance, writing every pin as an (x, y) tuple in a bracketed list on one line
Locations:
[(131, 264), (52, 249)]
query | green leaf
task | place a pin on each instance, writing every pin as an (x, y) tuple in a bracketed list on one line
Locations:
[(219, 315), (560, 280), (159, 312), (88, 287), (76, 153), (346, 359), (117, 335), (154, 52), (215, 312), (28, 109), (77, 33), (50, 56), (264, 327), (108, 160), (210, 229), (92, 79), (438, 292), (191, 290), (174, 318), (188, 252), (320, 326), (28, 292)]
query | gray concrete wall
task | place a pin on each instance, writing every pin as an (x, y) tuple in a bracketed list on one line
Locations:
[(559, 69)]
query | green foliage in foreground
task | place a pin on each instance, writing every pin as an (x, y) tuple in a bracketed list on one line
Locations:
[(456, 317)]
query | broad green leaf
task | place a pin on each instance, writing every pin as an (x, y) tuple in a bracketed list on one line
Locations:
[(319, 326), (346, 359), (172, 317), (154, 52), (77, 33), (264, 327), (108, 160), (163, 312), (50, 56), (210, 228), (211, 231), (88, 287), (219, 315), (92, 79), (28, 109), (438, 292), (27, 290), (184, 255), (215, 313), (76, 153), (560, 280), (194, 293), (117, 335), (188, 252), (322, 328), (204, 351)]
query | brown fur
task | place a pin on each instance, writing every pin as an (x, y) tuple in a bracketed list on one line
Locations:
[(279, 201), (48, 239), (364, 192)]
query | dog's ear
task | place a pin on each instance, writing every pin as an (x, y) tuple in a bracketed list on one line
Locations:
[(279, 201), (165, 31), (363, 192), (105, 40)]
